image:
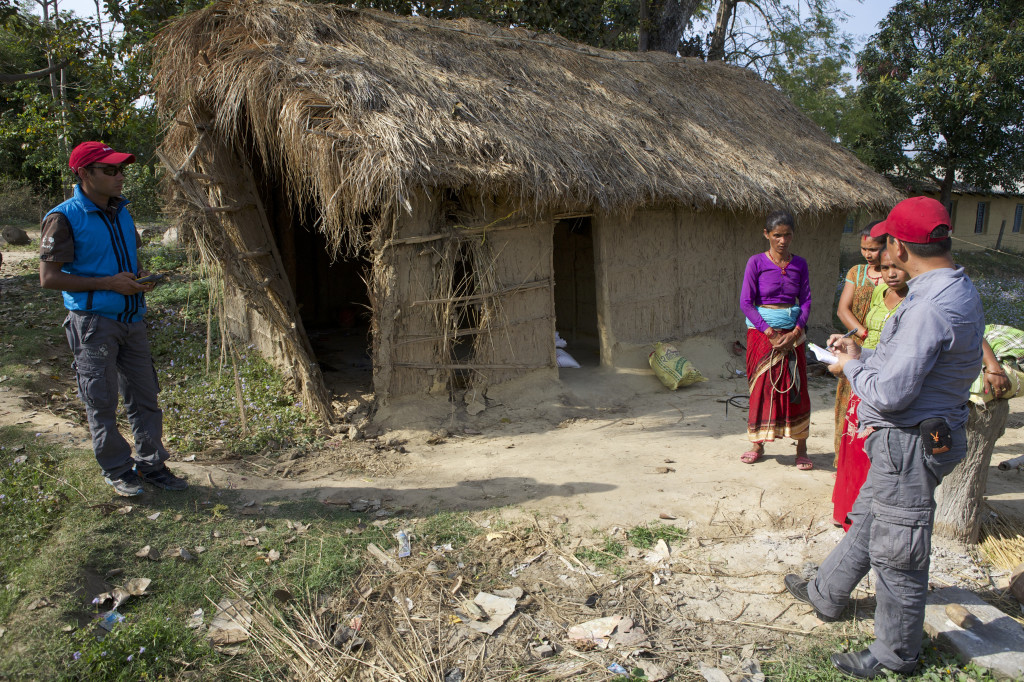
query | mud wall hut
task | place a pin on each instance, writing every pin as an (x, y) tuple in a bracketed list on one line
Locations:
[(470, 189)]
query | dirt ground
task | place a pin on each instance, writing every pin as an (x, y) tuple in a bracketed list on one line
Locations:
[(602, 452)]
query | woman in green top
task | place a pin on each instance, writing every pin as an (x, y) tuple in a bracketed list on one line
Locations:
[(885, 299), (852, 462), (854, 302)]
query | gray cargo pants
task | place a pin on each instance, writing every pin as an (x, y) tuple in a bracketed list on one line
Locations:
[(891, 532), (113, 357)]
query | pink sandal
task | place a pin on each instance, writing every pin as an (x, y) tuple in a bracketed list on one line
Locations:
[(804, 463), (750, 456)]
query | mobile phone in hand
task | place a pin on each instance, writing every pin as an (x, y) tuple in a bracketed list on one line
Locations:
[(150, 278)]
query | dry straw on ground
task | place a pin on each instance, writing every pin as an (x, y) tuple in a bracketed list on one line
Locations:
[(398, 620)]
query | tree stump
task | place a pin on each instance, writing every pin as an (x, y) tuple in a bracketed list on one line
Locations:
[(958, 498)]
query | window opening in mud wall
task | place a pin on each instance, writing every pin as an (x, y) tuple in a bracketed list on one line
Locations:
[(576, 289), (332, 297), (464, 312)]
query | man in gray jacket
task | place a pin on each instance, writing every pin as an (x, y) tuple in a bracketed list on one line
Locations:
[(913, 389)]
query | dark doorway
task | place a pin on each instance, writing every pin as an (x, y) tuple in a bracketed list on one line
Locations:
[(332, 298), (576, 289)]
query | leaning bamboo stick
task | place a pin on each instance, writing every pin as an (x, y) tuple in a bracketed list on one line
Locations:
[(429, 365), (525, 286), (456, 233)]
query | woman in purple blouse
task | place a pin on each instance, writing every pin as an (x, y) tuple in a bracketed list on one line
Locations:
[(776, 300)]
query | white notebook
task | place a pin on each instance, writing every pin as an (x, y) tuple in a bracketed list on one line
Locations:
[(822, 355)]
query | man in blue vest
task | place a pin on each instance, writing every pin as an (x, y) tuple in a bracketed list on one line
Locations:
[(89, 251)]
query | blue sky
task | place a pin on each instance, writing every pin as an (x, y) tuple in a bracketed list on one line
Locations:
[(864, 16)]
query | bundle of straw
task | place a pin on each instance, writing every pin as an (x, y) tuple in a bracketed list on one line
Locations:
[(1001, 540)]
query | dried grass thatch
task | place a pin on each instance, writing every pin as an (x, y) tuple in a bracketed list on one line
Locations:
[(357, 110)]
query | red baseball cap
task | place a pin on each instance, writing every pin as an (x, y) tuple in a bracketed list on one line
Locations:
[(97, 152), (915, 220)]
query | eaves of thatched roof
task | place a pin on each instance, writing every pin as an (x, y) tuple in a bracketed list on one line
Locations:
[(359, 109)]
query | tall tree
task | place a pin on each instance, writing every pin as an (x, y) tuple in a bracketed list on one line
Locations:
[(944, 82), (769, 35)]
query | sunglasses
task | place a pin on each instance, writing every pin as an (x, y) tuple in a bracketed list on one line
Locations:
[(112, 171)]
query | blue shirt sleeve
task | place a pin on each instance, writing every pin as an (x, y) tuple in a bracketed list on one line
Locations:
[(891, 380)]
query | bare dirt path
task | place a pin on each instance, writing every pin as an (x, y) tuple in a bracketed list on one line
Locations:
[(606, 450)]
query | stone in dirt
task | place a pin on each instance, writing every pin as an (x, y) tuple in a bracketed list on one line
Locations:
[(597, 631), (231, 623), (713, 674), (995, 641), (543, 651), (654, 672), (498, 610), (15, 236), (1017, 583)]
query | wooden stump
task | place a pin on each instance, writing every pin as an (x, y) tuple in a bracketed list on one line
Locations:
[(958, 498)]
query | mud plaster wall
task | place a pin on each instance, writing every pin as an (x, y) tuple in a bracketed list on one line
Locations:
[(405, 330), (523, 318), (668, 274)]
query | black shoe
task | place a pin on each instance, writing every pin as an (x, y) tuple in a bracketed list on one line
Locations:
[(127, 484), (798, 588), (163, 478), (859, 664)]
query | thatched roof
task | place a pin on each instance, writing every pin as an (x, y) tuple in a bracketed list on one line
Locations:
[(357, 110)]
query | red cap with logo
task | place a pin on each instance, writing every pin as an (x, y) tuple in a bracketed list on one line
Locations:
[(915, 220), (97, 152)]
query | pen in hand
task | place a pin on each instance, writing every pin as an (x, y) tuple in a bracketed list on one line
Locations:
[(844, 336)]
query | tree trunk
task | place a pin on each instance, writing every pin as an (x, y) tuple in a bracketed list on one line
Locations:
[(946, 189), (645, 29), (716, 51), (99, 20), (673, 16), (958, 498)]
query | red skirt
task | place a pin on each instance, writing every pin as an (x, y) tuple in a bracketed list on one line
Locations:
[(779, 404), (851, 466)]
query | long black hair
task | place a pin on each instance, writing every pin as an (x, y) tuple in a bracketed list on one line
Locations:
[(780, 217)]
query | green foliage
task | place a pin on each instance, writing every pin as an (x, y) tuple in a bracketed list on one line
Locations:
[(610, 552), (148, 648), (943, 80), (18, 201), (647, 536), (450, 527), (811, 664), (141, 186), (610, 24)]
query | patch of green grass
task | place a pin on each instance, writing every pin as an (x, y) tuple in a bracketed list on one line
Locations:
[(31, 501), (445, 527), (65, 536), (150, 648), (32, 347), (812, 664), (647, 535), (191, 296), (157, 257), (607, 555)]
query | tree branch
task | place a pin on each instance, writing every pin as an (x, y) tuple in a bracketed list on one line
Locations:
[(15, 77)]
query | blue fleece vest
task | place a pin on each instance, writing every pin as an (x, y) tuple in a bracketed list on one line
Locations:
[(102, 248)]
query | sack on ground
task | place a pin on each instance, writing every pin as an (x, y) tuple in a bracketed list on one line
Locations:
[(671, 368), (564, 359)]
